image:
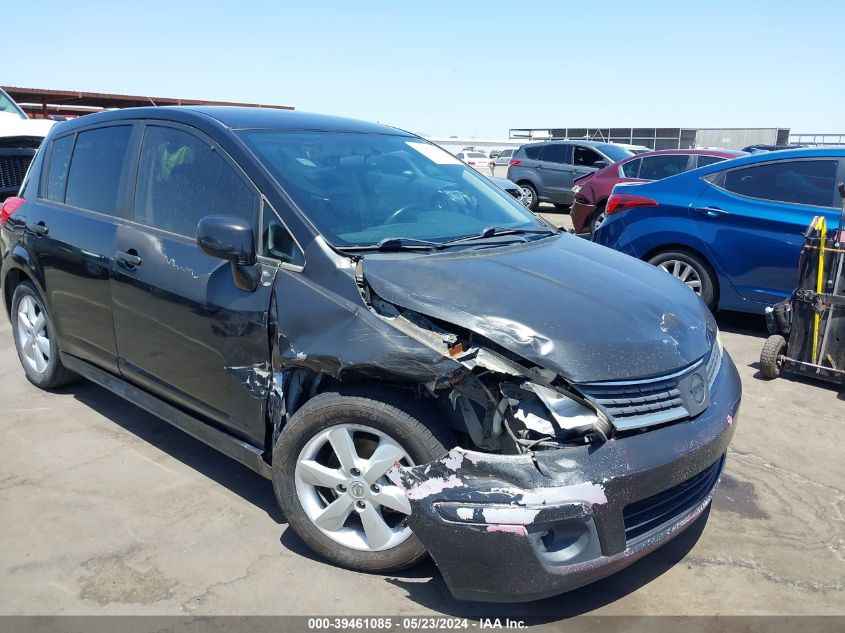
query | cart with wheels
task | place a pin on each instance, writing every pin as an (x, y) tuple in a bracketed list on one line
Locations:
[(808, 330)]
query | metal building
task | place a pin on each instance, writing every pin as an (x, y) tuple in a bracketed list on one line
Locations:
[(663, 137)]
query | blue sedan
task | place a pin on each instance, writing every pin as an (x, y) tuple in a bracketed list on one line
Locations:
[(731, 231)]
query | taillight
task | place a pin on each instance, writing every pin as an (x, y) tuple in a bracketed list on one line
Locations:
[(470, 162), (623, 201), (514, 162), (9, 207)]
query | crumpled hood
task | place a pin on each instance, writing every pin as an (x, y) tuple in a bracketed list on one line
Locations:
[(582, 310), (12, 125)]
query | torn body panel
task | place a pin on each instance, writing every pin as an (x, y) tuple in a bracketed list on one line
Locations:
[(521, 527)]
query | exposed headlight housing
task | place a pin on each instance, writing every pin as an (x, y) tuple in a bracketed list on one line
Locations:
[(541, 411)]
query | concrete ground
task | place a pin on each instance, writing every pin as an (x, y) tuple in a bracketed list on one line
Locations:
[(105, 509)]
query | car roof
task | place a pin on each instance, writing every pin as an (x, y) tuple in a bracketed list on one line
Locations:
[(763, 157), (727, 153), (750, 159), (572, 141), (237, 118)]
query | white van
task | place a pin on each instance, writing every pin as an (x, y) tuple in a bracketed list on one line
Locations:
[(20, 136)]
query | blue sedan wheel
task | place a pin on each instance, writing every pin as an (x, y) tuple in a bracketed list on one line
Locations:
[(690, 270)]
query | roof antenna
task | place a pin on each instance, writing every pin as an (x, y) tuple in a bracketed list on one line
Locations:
[(153, 102)]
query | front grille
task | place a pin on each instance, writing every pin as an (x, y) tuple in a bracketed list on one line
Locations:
[(637, 399), (646, 515), (638, 404), (12, 170)]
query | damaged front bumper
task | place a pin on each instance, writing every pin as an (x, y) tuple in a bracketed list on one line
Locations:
[(516, 528)]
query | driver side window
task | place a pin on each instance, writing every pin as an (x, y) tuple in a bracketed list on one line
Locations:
[(585, 157)]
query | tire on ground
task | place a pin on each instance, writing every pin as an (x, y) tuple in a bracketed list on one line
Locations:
[(55, 375), (535, 201), (770, 356), (702, 268), (401, 417)]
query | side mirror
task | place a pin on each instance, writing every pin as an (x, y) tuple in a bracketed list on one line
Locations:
[(227, 237), (231, 238), (600, 164)]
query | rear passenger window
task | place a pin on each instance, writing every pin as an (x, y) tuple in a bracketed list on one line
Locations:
[(792, 181), (555, 154), (659, 167), (709, 160), (94, 176), (59, 162), (631, 169), (182, 178), (532, 151)]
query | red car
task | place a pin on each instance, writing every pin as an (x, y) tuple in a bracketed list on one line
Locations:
[(591, 191)]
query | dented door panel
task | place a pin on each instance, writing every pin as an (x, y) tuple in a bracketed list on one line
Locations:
[(185, 331)]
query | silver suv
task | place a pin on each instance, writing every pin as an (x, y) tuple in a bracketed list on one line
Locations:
[(546, 170)]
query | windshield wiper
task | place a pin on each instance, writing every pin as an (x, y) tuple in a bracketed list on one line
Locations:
[(495, 231), (395, 244)]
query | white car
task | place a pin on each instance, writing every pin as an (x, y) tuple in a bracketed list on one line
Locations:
[(20, 137), (477, 160), (505, 156)]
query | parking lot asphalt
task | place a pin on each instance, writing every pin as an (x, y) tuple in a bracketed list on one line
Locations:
[(107, 510)]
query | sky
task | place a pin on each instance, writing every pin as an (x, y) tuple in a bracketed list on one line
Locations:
[(465, 68)]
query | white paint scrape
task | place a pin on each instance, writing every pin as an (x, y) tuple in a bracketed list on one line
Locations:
[(516, 515), (465, 513), (586, 493), (432, 487), (454, 459)]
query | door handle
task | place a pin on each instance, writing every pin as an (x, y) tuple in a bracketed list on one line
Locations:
[(712, 212), (37, 228), (128, 258)]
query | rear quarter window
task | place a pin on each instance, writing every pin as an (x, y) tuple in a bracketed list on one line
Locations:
[(60, 151), (532, 151), (709, 160), (631, 169)]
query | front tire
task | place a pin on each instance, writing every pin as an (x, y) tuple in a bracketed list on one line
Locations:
[(329, 476), (692, 271), (771, 358), (35, 340)]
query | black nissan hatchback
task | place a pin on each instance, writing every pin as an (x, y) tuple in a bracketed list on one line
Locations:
[(418, 363)]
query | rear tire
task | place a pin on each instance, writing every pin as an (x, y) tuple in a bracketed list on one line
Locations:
[(599, 216), (692, 270), (35, 340), (771, 358), (375, 416), (530, 192)]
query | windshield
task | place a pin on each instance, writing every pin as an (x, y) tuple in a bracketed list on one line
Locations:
[(360, 189), (615, 152), (7, 105)]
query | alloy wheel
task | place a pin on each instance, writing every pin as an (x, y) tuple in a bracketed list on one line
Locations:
[(527, 198), (600, 218), (341, 484), (683, 271), (32, 334)]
